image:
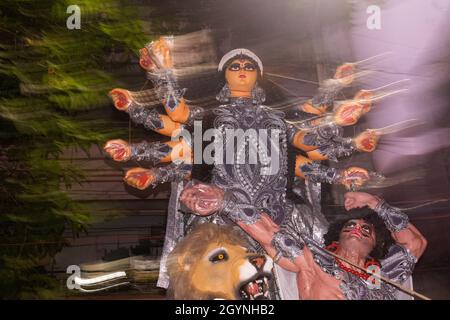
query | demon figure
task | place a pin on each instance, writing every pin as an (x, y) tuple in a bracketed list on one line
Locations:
[(380, 238)]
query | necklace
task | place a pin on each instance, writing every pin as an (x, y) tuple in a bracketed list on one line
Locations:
[(362, 275)]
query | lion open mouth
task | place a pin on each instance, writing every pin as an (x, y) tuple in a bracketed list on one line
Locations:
[(256, 289)]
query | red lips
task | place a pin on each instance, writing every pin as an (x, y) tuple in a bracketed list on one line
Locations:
[(242, 76)]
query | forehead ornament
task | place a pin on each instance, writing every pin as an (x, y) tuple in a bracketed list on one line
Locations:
[(239, 53)]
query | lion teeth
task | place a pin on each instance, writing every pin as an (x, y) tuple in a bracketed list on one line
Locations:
[(258, 288)]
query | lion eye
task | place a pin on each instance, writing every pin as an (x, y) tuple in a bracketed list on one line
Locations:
[(219, 257)]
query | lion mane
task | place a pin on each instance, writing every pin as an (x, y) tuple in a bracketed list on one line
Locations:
[(190, 250)]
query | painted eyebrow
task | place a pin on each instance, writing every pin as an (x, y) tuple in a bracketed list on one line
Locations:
[(364, 223)]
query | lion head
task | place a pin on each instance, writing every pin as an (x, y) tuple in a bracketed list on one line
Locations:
[(213, 262)]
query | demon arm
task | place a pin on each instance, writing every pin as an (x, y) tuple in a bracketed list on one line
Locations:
[(404, 233)]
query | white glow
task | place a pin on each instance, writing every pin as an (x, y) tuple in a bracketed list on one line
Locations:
[(99, 279)]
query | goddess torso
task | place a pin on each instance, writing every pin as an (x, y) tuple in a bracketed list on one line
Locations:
[(253, 163)]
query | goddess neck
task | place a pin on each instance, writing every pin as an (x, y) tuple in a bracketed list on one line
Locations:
[(239, 94)]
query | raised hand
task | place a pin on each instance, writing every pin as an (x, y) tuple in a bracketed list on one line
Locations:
[(366, 141), (118, 150), (121, 99), (161, 49), (345, 73), (354, 178), (145, 61), (159, 58), (365, 97), (360, 199), (202, 199), (141, 178), (348, 113)]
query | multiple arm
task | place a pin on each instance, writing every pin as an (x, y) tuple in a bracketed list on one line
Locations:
[(156, 60), (322, 138)]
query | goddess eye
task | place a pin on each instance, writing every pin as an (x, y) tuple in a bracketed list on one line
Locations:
[(219, 257), (249, 67), (234, 67)]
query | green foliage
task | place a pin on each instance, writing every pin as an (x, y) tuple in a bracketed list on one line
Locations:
[(50, 77)]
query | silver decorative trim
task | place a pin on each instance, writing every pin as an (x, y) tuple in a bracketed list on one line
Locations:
[(150, 118), (153, 152), (335, 151), (315, 172), (289, 247), (239, 212), (394, 218)]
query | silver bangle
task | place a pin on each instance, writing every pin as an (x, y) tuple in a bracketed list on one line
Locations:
[(287, 246), (394, 219)]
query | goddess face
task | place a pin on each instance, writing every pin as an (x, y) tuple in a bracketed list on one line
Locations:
[(241, 76)]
